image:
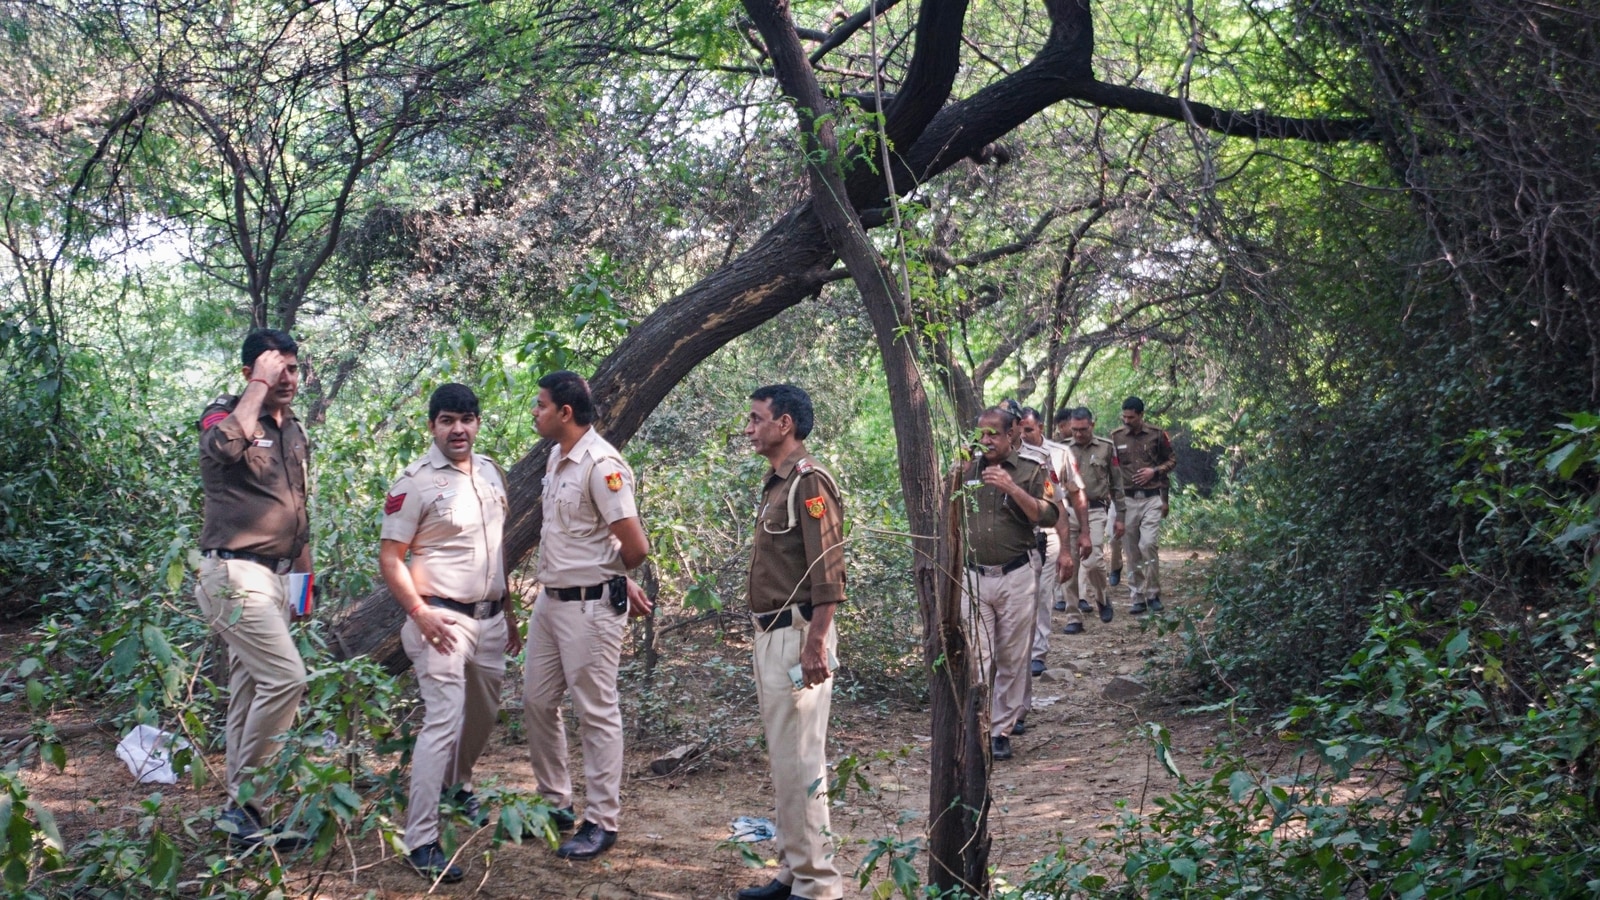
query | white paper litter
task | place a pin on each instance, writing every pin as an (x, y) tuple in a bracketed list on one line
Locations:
[(147, 751)]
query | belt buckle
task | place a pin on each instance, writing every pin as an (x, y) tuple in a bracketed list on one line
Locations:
[(284, 565), (481, 609), (991, 571)]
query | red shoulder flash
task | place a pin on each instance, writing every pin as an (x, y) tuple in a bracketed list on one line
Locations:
[(803, 467), (817, 507), (392, 503), (212, 419), (614, 481)]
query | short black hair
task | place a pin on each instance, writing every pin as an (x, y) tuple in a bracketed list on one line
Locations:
[(260, 340), (1135, 404), (1029, 412), (1012, 408), (570, 389), (1081, 412), (788, 400), (1006, 418), (1063, 414), (452, 397)]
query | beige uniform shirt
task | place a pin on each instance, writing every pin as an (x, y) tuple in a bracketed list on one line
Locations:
[(584, 494), (1102, 476), (455, 523)]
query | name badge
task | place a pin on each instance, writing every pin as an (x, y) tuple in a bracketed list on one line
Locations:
[(262, 442), (446, 495)]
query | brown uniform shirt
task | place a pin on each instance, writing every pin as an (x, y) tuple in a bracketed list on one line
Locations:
[(255, 483), (1102, 475), (454, 523), (1150, 448), (998, 531), (799, 561)]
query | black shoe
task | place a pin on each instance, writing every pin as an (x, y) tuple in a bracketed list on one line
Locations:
[(590, 841), (1115, 578), (1060, 606), (246, 831), (1020, 728), (1155, 603), (564, 819), (1073, 628), (772, 890), (1138, 608), (1036, 667), (430, 862), (1083, 606), (468, 803), (1106, 612), (1000, 747)]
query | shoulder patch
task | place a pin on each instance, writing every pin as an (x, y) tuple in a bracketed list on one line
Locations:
[(213, 418), (817, 507), (803, 466), (1049, 488), (392, 503), (614, 481)]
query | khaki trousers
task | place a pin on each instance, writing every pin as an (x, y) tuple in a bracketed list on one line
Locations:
[(1046, 589), (460, 701), (998, 612), (574, 648), (796, 724), (246, 604), (1090, 582), (1142, 524)]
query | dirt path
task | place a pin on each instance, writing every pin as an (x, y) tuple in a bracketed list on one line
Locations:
[(1078, 759)]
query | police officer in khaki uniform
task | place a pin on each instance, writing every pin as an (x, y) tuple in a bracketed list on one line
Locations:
[(448, 512), (1003, 502), (1145, 454), (591, 537), (253, 468), (1096, 460), (796, 580), (1066, 487), (1113, 544)]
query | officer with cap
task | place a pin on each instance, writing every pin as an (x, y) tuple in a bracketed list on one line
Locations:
[(591, 537), (796, 581), (253, 468), (447, 511)]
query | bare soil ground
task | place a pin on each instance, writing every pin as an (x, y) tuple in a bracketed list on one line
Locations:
[(1079, 758)]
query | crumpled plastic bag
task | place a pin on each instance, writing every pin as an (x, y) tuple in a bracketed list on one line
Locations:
[(751, 829), (147, 751)]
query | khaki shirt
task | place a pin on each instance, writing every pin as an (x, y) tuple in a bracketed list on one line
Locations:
[(1102, 475), (802, 561), (584, 494), (454, 523), (1150, 448), (255, 483), (998, 531)]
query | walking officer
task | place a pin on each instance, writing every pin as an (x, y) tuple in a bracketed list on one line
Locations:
[(1146, 458), (796, 580), (1096, 459), (448, 512), (591, 537), (1004, 501), (253, 468)]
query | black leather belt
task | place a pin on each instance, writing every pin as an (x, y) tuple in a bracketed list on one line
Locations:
[(1100, 504), (783, 618), (571, 595), (1005, 568), (277, 565), (1145, 492), (483, 609)]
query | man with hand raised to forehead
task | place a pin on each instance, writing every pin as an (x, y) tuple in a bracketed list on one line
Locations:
[(253, 468), (1004, 501), (447, 511), (796, 580), (591, 537)]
